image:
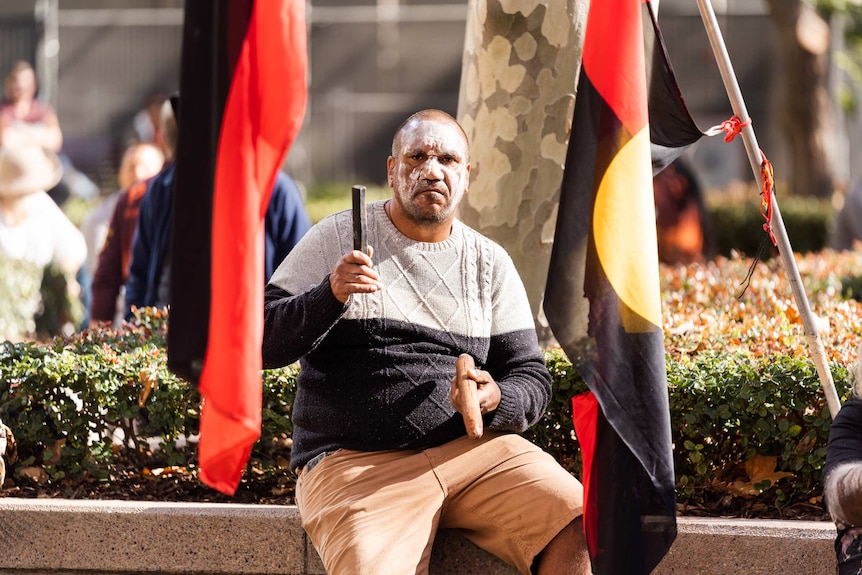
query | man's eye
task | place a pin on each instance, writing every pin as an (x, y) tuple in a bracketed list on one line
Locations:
[(447, 160), (417, 156)]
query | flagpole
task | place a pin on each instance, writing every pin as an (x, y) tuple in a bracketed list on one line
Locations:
[(809, 324)]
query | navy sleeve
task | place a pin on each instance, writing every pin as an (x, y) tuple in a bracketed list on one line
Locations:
[(294, 325), (286, 221)]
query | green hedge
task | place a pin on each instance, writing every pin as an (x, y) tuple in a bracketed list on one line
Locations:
[(35, 302), (737, 224), (725, 407)]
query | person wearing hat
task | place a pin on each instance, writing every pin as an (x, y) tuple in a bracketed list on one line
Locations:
[(32, 226)]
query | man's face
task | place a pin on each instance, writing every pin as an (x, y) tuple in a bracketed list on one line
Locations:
[(429, 172)]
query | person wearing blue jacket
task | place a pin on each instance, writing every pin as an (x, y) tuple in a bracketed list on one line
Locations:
[(286, 221)]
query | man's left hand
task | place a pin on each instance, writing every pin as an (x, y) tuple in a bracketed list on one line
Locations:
[(487, 390)]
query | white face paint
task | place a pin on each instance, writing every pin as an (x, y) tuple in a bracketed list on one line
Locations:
[(429, 171)]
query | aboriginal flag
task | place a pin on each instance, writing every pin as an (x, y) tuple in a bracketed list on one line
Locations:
[(242, 102), (602, 297)]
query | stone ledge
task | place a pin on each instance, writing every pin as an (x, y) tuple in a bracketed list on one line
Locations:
[(39, 536)]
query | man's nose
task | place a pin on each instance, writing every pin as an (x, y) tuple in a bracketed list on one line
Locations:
[(432, 169)]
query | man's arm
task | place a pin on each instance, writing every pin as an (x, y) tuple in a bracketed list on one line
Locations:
[(514, 359), (296, 324), (308, 293), (293, 325), (518, 366)]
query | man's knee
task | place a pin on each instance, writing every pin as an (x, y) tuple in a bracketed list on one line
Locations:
[(566, 554)]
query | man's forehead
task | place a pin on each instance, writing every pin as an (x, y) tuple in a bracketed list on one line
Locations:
[(432, 134)]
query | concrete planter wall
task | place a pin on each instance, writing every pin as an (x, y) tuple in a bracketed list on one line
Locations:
[(40, 536)]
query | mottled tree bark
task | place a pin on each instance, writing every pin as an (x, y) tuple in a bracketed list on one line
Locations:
[(804, 105), (520, 65)]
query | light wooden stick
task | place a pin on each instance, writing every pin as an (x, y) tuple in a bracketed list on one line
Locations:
[(468, 389)]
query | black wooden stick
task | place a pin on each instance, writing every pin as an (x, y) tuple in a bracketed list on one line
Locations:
[(359, 219)]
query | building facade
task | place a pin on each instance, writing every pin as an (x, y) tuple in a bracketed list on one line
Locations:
[(372, 62)]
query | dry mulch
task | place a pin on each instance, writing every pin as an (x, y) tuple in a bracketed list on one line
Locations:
[(182, 485), (711, 504), (179, 484)]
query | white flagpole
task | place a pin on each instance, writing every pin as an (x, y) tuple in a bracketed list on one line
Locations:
[(809, 324)]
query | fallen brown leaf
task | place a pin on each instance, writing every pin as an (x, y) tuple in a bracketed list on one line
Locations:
[(36, 474), (759, 468)]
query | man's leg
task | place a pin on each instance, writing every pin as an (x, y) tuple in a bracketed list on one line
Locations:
[(567, 553), (509, 497), (371, 513)]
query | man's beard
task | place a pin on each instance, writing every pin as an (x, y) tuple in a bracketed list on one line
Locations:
[(421, 215)]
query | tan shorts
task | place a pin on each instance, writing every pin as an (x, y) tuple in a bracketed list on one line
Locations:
[(378, 512)]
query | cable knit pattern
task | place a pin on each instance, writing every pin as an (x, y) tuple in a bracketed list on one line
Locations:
[(375, 373)]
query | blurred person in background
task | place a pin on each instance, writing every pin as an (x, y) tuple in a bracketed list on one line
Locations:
[(683, 225), (140, 162), (114, 262), (285, 222), (146, 123), (32, 227), (24, 119)]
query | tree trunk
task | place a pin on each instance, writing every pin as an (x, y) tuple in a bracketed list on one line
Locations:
[(516, 101), (804, 105)]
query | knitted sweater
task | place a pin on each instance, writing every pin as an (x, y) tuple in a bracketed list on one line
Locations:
[(375, 373)]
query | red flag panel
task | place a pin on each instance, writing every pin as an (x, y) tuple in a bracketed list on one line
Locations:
[(264, 83)]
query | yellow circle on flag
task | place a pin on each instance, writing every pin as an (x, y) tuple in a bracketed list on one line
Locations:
[(624, 229)]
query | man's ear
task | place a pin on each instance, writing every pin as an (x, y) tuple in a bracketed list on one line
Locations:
[(390, 165)]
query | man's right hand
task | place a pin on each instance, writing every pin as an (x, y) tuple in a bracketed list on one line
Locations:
[(354, 273)]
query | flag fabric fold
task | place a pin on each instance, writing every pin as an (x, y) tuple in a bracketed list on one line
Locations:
[(242, 102), (602, 297)]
